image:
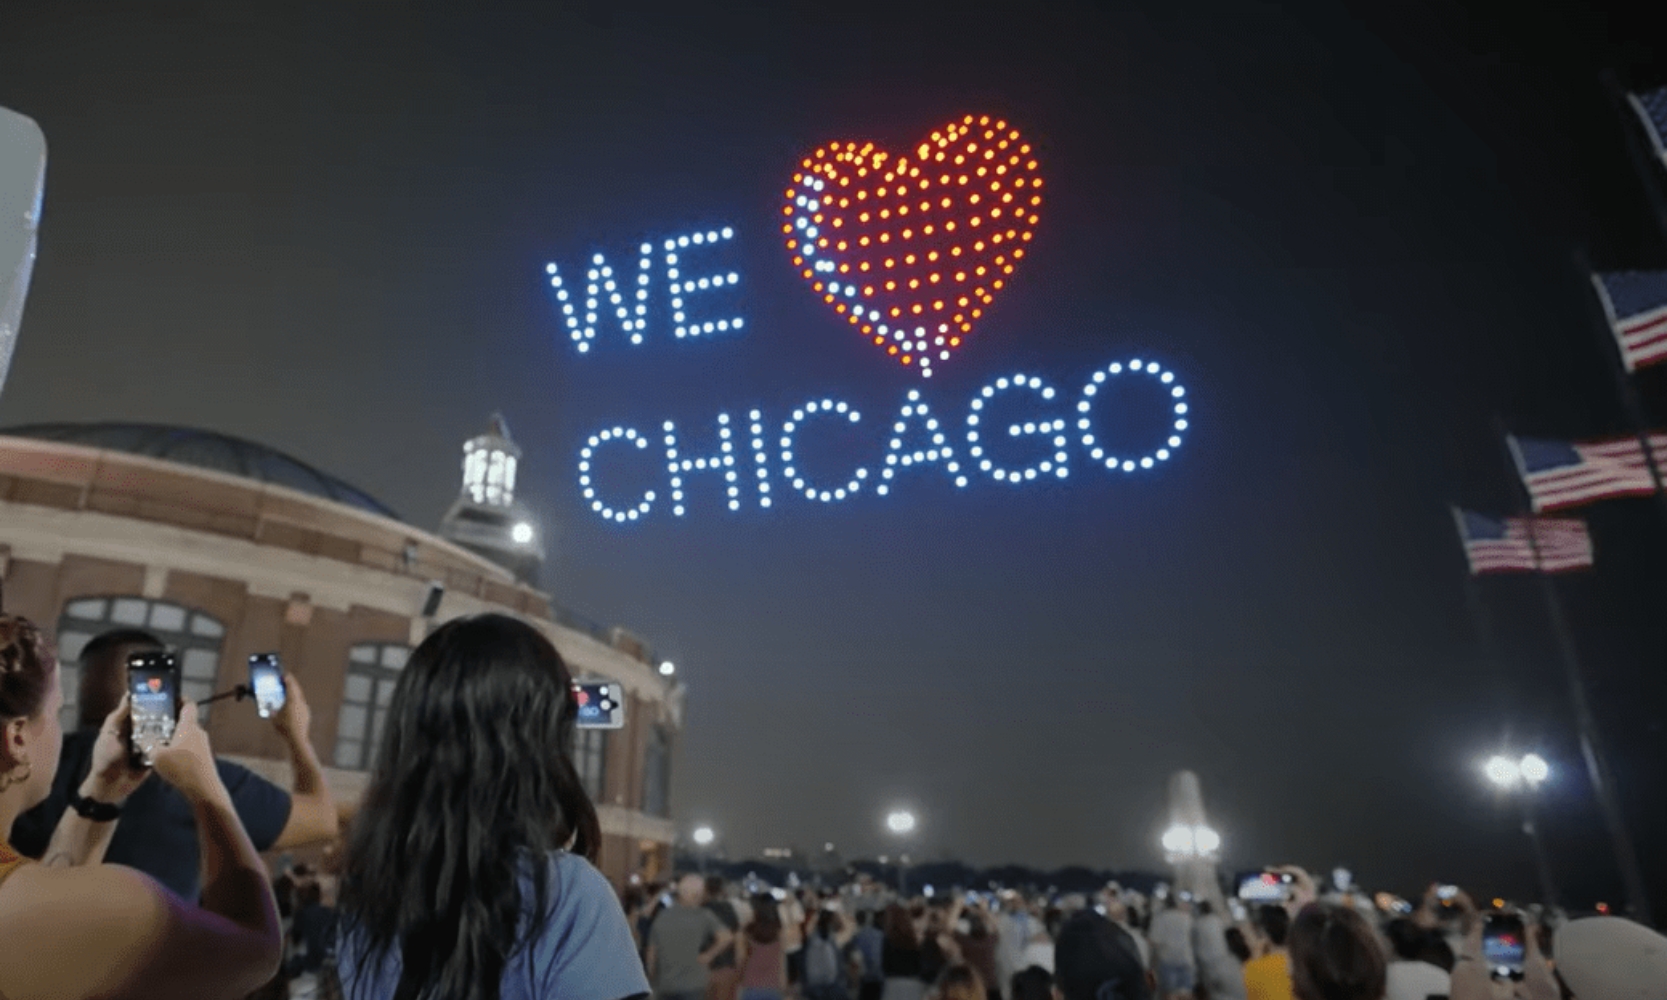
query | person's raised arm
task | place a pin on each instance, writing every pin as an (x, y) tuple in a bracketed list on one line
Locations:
[(82, 840), (113, 931), (312, 813)]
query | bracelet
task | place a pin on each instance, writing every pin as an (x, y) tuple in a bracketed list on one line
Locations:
[(92, 809)]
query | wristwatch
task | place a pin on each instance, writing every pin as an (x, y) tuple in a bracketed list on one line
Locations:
[(98, 812)]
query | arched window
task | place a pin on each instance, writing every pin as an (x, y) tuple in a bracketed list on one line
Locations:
[(195, 636), (367, 691), (590, 759), (656, 792)]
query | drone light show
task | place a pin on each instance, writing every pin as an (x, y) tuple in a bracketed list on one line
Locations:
[(910, 252), (907, 251)]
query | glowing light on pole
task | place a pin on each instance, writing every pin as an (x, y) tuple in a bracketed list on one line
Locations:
[(1502, 771), (910, 250), (901, 822), (704, 836)]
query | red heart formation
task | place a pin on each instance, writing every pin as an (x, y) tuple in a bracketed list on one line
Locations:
[(911, 250)]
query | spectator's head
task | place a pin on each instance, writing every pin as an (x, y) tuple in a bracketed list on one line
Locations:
[(1237, 944), (766, 919), (1335, 955), (827, 923), (715, 888), (691, 890), (30, 735), (1274, 923), (1406, 938), (1034, 983), (960, 982), (1603, 957), (1094, 959), (900, 928), (104, 671), (473, 789)]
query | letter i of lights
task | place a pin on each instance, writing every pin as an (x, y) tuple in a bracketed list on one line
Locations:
[(910, 251)]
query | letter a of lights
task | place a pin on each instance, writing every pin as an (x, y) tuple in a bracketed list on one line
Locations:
[(910, 250), (916, 439)]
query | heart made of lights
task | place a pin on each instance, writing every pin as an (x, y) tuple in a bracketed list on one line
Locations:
[(910, 250)]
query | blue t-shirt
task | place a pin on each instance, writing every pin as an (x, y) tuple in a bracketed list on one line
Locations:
[(584, 953), (157, 833)]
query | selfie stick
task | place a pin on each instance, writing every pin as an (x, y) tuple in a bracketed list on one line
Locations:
[(240, 692)]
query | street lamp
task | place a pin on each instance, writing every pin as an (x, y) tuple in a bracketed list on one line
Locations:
[(901, 822), (703, 837), (1190, 842), (1530, 770), (667, 668)]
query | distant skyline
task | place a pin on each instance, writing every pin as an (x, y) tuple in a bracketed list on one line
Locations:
[(1349, 232)]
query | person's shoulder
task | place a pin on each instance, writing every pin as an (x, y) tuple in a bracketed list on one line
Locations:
[(101, 899), (575, 884)]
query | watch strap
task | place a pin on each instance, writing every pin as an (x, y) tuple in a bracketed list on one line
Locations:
[(92, 809)]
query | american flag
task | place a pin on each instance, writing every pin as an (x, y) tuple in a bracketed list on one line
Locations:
[(1561, 474), (1636, 304), (1503, 546), (1652, 110)]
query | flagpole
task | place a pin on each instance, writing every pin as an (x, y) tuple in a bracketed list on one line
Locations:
[(1485, 637), (1597, 769), (1626, 107), (1623, 382)]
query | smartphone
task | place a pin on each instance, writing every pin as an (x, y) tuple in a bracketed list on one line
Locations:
[(153, 690), (1504, 945), (1265, 887), (266, 679), (601, 704), (1445, 895)]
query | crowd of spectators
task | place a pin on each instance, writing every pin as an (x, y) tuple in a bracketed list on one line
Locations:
[(467, 873)]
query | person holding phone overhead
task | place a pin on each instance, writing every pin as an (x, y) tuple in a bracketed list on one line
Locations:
[(468, 869), (98, 930), (156, 834)]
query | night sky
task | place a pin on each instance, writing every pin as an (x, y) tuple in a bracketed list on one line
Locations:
[(1351, 234)]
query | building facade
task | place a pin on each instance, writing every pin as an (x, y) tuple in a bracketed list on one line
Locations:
[(224, 548)]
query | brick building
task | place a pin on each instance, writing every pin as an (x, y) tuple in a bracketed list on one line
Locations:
[(226, 548)]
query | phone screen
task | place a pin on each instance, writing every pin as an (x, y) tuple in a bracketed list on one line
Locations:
[(153, 689), (601, 704), (1264, 887), (1504, 945), (266, 677)]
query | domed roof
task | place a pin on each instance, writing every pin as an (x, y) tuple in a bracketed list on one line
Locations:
[(207, 450)]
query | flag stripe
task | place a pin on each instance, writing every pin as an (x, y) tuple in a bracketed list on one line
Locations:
[(1560, 474)]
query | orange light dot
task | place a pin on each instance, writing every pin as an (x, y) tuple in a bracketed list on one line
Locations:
[(862, 242), (977, 313), (955, 342), (842, 245), (973, 222), (908, 233), (1019, 252), (944, 180), (838, 308), (949, 226), (927, 230), (914, 283), (879, 340), (844, 269), (907, 359), (891, 262), (932, 255), (823, 241), (863, 266), (817, 286), (979, 270), (885, 237), (973, 199), (996, 284), (962, 302), (892, 350), (787, 228), (895, 312), (839, 222), (961, 179), (938, 304), (891, 286), (955, 251), (1026, 236), (868, 290)]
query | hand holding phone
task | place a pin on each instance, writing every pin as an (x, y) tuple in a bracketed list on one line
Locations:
[(113, 775), (187, 762)]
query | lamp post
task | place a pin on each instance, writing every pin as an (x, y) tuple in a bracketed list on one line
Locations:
[(1528, 772), (901, 823), (703, 837)]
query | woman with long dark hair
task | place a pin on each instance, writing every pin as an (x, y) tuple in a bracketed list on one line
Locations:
[(468, 872), (761, 954), (900, 956)]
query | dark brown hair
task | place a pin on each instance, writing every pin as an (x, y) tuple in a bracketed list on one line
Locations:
[(900, 928), (765, 927), (26, 667), (961, 982), (1335, 955)]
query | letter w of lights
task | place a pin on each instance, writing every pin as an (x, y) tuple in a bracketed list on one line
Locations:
[(606, 290)]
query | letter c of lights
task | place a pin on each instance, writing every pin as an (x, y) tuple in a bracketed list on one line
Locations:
[(588, 451), (790, 471), (1148, 369)]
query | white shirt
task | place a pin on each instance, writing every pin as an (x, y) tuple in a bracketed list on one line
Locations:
[(1171, 937), (1416, 981)]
